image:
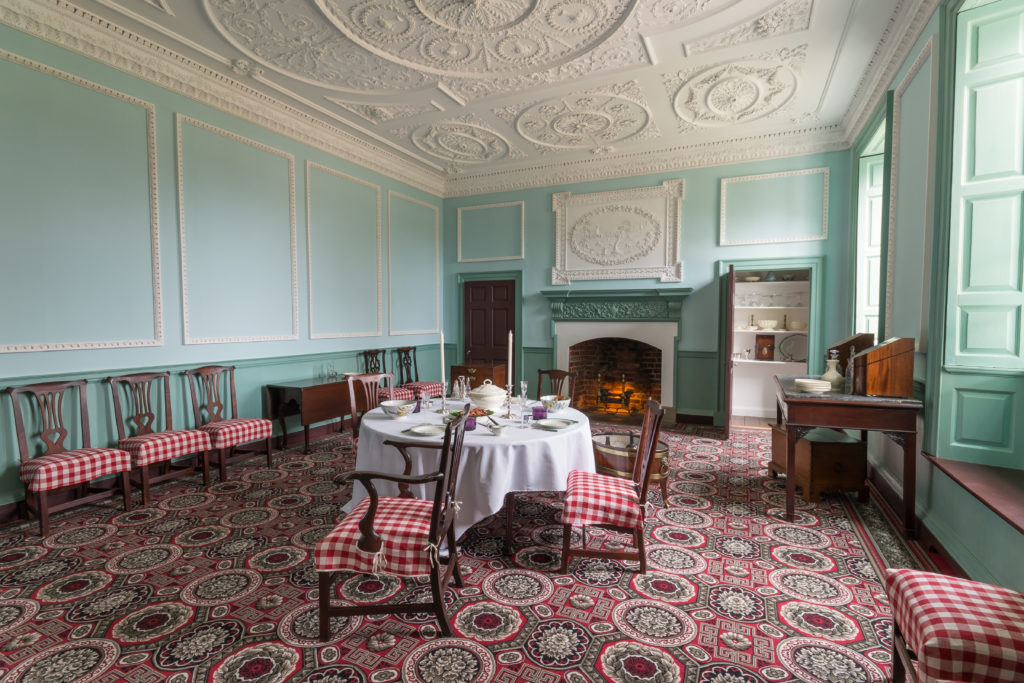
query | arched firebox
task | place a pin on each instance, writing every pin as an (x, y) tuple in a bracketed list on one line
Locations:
[(615, 375)]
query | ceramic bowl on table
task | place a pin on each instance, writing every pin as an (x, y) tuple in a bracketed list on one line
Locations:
[(397, 409), (487, 396), (767, 324), (554, 403)]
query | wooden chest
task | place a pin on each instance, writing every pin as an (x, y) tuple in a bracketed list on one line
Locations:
[(826, 461), (886, 369), (478, 372)]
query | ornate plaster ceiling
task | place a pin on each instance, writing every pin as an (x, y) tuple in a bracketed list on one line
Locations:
[(469, 96)]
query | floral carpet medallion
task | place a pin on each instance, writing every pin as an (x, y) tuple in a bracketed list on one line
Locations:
[(217, 584)]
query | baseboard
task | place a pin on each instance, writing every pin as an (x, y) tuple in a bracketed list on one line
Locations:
[(688, 418)]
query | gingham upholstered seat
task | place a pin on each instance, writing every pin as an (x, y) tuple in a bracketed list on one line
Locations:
[(49, 472), (616, 502), (147, 449), (404, 527), (228, 433), (960, 630), (433, 389), (400, 394), (592, 498)]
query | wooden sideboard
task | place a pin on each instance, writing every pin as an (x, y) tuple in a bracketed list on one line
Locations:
[(478, 372), (312, 400)]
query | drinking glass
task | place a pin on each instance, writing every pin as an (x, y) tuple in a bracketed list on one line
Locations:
[(523, 385)]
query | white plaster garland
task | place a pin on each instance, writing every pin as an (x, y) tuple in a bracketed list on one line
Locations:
[(437, 268), (311, 166), (616, 235), (179, 120), (154, 216)]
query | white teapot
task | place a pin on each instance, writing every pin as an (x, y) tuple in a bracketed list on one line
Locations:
[(487, 396)]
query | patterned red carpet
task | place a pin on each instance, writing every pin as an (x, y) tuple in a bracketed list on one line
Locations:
[(217, 584)]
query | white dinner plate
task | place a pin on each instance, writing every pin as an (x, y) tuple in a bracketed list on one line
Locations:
[(554, 423), (425, 430)]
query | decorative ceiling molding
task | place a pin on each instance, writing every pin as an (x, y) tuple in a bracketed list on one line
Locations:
[(786, 17)]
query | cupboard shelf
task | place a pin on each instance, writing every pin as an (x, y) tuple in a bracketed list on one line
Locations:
[(773, 331)]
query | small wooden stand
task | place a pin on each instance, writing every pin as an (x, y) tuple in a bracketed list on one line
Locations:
[(826, 460)]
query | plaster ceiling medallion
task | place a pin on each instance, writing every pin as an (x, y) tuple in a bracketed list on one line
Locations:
[(589, 120), (461, 142), (786, 17), (745, 90), (382, 113), (477, 37), (293, 38), (670, 12)]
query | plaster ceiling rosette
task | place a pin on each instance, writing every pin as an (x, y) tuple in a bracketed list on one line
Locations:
[(786, 17), (740, 91), (477, 37), (462, 142)]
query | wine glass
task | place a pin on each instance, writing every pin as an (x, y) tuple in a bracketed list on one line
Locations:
[(523, 384)]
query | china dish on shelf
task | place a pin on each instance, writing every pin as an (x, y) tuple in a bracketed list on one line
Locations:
[(797, 325), (752, 278), (812, 386), (767, 324), (794, 348)]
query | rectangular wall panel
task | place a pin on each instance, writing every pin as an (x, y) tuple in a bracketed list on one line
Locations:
[(996, 110), (790, 206), (992, 252), (343, 229), (237, 229), (494, 232), (79, 250), (995, 40), (414, 263), (990, 330), (983, 418)]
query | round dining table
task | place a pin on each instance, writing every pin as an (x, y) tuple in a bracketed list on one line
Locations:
[(531, 458)]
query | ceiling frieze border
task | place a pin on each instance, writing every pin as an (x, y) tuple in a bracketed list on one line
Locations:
[(73, 28)]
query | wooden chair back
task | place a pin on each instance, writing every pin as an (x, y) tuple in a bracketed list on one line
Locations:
[(212, 388), (138, 416), (408, 370), (50, 404), (647, 446), (375, 361), (557, 379), (365, 387), (443, 515)]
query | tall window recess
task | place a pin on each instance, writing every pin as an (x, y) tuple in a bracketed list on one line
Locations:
[(985, 310), (870, 202)]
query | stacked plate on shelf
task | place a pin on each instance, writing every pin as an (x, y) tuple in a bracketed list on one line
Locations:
[(813, 386)]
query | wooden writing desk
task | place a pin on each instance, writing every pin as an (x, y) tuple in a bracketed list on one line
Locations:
[(313, 400), (800, 412)]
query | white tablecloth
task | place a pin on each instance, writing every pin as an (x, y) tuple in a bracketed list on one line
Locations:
[(521, 459)]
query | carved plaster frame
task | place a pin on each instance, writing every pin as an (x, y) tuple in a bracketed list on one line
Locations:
[(180, 119), (522, 232), (312, 165), (437, 268), (670, 268), (154, 216), (723, 241)]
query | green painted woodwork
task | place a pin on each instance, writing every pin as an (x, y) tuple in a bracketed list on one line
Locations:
[(696, 373), (414, 264), (622, 304)]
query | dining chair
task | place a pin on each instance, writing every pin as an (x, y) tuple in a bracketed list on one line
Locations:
[(365, 393), (207, 387), (375, 360), (136, 420), (58, 468), (556, 380), (399, 535), (612, 502), (409, 374)]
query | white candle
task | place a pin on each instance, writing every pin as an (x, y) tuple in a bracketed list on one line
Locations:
[(510, 357), (442, 358)]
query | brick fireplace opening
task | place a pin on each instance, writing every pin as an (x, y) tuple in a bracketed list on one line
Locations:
[(615, 376)]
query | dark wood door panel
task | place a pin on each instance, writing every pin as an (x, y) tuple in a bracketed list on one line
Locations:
[(489, 314)]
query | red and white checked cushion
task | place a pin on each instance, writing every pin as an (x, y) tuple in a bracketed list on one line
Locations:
[(48, 472), (600, 499), (401, 394), (228, 433), (960, 630), (434, 389), (160, 446), (404, 527)]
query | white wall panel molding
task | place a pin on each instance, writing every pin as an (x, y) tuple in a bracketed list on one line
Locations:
[(723, 232), (522, 232), (154, 221), (72, 27), (312, 166), (180, 121), (437, 266), (926, 56)]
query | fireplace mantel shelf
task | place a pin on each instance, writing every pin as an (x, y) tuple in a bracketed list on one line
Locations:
[(617, 304)]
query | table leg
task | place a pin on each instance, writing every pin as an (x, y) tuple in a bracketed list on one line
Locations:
[(790, 471), (284, 433), (305, 431), (909, 484)]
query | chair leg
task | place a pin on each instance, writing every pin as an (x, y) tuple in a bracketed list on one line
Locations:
[(43, 510), (126, 490), (638, 539), (270, 462), (325, 581), (664, 491), (453, 554), (566, 542), (204, 458), (222, 468), (144, 481), (438, 604)]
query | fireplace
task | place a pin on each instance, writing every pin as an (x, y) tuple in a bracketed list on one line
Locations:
[(615, 375)]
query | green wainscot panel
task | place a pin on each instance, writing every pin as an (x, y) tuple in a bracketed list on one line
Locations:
[(981, 414)]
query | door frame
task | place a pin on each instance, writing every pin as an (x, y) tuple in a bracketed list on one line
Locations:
[(815, 326), (517, 343)]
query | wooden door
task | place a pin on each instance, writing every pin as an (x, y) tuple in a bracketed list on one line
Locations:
[(730, 327), (489, 315)]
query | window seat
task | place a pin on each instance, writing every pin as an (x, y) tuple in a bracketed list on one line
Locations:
[(1000, 488)]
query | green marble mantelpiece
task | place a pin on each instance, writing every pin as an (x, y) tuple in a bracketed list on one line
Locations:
[(660, 305)]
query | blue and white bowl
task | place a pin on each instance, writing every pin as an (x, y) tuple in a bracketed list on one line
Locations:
[(397, 409)]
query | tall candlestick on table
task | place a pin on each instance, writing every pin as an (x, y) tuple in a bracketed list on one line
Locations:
[(510, 357), (442, 358)]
